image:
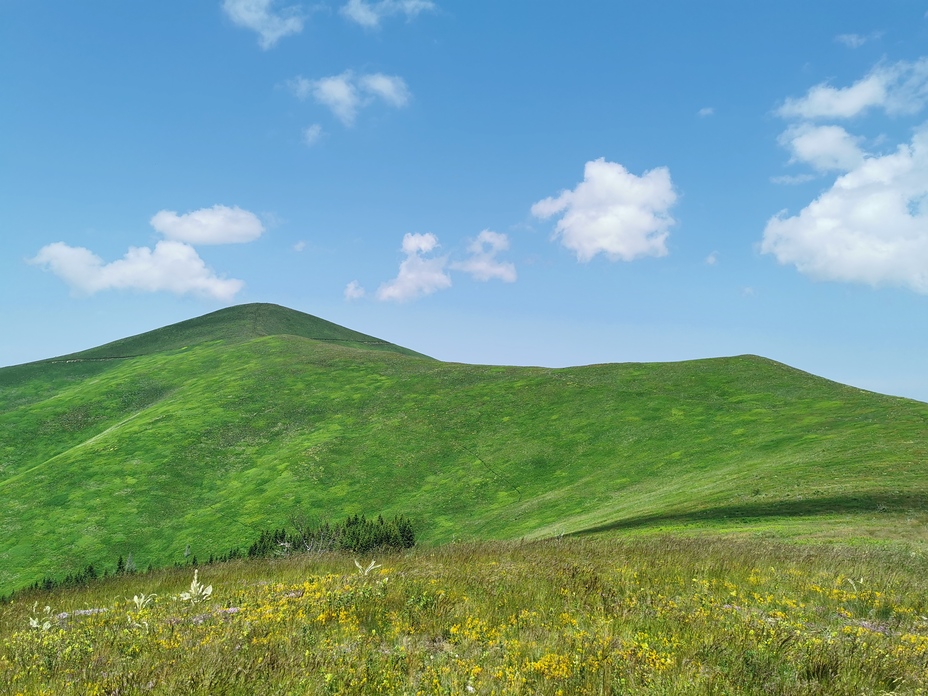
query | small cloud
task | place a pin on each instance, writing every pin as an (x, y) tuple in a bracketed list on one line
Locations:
[(748, 292), (369, 14), (705, 111), (613, 212), (857, 40), (354, 291), (390, 88), (172, 266), (418, 275), (482, 264), (311, 134), (259, 16), (792, 180), (851, 40), (345, 94), (712, 258), (299, 246), (825, 148), (217, 225)]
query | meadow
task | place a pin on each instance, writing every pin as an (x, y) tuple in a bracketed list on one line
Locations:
[(600, 614)]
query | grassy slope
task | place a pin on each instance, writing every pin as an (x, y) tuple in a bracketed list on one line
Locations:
[(201, 443)]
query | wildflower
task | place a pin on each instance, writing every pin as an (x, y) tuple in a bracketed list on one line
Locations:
[(197, 592), (143, 600), (365, 571)]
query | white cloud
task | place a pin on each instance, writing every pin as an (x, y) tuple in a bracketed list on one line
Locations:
[(614, 212), (825, 148), (705, 111), (299, 246), (346, 94), (482, 264), (312, 134), (792, 180), (418, 275), (870, 227), (259, 16), (712, 258), (354, 291), (217, 225), (172, 266), (390, 88), (369, 14), (340, 95), (851, 40), (898, 88)]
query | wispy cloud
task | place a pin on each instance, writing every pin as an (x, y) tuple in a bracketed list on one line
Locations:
[(345, 94), (482, 263), (851, 40), (792, 179), (613, 212), (418, 275), (260, 16), (897, 88), (370, 14), (705, 111), (312, 134)]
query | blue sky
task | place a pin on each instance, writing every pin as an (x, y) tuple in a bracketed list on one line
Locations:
[(514, 182)]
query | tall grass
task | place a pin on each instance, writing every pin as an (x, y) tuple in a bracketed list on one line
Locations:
[(597, 615)]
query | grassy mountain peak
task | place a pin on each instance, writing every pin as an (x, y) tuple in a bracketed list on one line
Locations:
[(203, 433), (236, 325)]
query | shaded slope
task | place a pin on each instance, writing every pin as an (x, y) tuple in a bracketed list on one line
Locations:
[(206, 445)]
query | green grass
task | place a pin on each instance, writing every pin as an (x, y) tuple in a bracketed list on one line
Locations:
[(593, 615), (235, 421)]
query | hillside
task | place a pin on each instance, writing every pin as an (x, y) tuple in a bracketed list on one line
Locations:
[(204, 432)]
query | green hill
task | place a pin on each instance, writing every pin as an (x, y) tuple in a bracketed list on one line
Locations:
[(204, 432)]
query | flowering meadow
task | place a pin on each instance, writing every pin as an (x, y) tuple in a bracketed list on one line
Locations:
[(595, 615)]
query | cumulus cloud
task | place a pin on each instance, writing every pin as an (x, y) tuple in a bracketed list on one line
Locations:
[(614, 212), (897, 88), (482, 263), (418, 275), (354, 291), (825, 148), (172, 266), (345, 94), (259, 16), (217, 225), (370, 14), (870, 227)]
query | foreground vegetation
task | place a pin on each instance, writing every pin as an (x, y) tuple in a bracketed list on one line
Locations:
[(594, 615), (200, 435)]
